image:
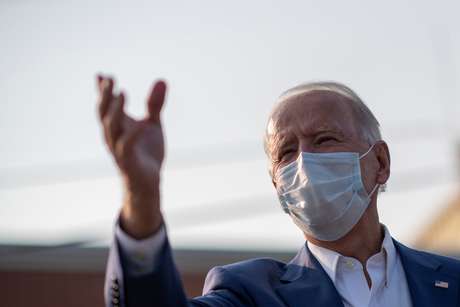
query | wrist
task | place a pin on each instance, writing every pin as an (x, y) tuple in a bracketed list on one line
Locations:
[(140, 217)]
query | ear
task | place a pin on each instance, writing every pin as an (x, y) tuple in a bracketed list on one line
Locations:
[(270, 172), (383, 158)]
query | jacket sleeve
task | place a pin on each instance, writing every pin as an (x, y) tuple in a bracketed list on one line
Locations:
[(162, 287)]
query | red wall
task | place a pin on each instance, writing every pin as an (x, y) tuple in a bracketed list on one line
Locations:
[(58, 289)]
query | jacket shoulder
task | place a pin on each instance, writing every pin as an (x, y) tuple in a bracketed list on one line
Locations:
[(447, 264), (260, 271), (256, 265)]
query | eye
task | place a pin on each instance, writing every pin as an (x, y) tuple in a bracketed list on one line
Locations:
[(285, 154)]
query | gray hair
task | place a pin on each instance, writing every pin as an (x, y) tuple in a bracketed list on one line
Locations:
[(368, 125)]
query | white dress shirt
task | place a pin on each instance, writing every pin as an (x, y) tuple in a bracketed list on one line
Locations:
[(389, 286), (140, 255)]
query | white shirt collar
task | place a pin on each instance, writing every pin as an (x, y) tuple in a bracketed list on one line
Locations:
[(330, 259)]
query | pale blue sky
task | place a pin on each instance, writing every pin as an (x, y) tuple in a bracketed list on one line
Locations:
[(226, 63)]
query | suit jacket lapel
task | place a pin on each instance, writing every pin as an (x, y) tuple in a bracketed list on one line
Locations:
[(422, 273), (305, 283)]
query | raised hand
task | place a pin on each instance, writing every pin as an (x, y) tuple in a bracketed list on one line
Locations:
[(138, 150)]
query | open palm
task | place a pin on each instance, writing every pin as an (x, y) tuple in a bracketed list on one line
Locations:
[(136, 145)]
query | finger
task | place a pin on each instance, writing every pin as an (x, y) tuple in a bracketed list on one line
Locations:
[(156, 100), (106, 96), (125, 145), (113, 120), (99, 79), (100, 82)]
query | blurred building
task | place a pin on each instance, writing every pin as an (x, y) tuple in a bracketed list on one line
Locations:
[(443, 234)]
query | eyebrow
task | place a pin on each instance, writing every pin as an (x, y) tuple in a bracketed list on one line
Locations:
[(328, 130)]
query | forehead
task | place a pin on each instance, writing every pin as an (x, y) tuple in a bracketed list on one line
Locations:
[(311, 113)]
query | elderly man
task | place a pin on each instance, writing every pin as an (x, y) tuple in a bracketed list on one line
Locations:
[(328, 161)]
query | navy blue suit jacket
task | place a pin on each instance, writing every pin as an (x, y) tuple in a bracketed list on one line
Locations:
[(270, 283)]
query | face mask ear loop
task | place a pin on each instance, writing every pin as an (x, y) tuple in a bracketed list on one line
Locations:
[(374, 189), (367, 152)]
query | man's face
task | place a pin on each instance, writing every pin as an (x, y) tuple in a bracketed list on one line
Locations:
[(317, 122)]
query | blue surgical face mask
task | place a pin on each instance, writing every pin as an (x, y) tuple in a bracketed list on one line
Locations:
[(324, 193)]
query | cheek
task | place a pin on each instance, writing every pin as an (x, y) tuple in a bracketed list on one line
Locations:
[(288, 158)]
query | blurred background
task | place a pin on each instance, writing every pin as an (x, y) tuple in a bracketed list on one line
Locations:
[(225, 63)]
